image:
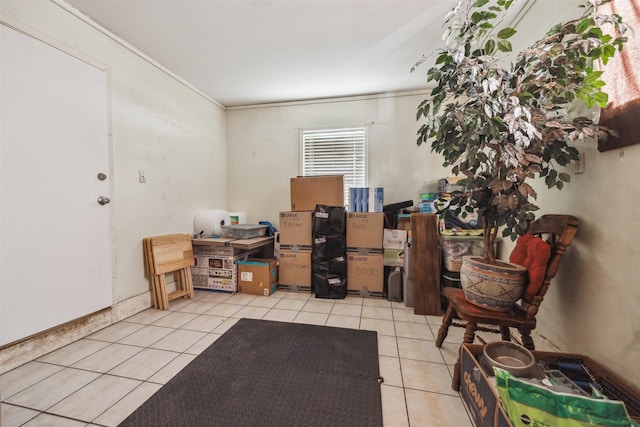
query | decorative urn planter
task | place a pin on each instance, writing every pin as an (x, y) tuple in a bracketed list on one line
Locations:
[(492, 286)]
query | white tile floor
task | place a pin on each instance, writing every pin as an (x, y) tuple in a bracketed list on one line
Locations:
[(102, 378)]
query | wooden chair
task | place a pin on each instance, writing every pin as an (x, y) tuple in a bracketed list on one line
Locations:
[(167, 254), (558, 231)]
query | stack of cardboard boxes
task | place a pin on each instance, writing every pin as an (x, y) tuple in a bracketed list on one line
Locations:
[(295, 227), (295, 250), (365, 269)]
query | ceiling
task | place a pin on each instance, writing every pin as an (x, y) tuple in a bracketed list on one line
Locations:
[(244, 52)]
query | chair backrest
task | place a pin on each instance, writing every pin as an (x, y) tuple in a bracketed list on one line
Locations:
[(558, 231)]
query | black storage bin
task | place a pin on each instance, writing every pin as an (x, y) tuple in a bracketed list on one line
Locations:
[(329, 252), (336, 266), (328, 247), (328, 285), (329, 220)]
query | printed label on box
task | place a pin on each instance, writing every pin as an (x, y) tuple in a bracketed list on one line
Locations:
[(246, 276)]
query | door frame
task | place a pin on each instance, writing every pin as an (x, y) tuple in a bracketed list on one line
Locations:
[(28, 31)]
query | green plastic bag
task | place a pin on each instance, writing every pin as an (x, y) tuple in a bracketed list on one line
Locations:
[(531, 405)]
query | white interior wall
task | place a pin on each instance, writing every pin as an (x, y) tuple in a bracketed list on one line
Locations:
[(591, 306), (178, 138), (264, 149), (161, 126)]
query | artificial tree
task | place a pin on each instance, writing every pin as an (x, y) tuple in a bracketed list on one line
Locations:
[(500, 126)]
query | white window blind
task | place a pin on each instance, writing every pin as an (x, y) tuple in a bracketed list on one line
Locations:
[(336, 152)]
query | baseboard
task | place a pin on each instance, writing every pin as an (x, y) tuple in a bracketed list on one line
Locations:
[(45, 342)]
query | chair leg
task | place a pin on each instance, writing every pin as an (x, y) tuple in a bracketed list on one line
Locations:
[(444, 328), (470, 332), (469, 336), (506, 333), (455, 381), (527, 341)]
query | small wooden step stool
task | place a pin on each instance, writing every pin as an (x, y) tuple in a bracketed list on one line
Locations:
[(167, 254)]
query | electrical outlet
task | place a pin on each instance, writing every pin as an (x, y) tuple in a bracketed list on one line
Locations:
[(141, 177)]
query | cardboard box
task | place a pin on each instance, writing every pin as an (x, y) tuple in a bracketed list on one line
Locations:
[(294, 267), (309, 191), (480, 396), (365, 272), (295, 228), (393, 242), (257, 276), (364, 230)]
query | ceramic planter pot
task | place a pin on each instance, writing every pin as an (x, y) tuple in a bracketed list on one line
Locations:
[(492, 286)]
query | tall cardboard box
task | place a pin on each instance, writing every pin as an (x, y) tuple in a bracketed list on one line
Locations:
[(295, 228), (294, 267), (309, 191), (257, 276), (365, 272), (364, 230)]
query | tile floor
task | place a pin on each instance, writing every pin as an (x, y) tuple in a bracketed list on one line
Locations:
[(100, 379)]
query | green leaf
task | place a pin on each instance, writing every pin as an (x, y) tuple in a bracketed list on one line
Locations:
[(584, 24), (550, 181), (442, 58), (504, 46), (559, 185), (564, 177), (505, 33), (480, 3), (601, 98), (592, 76), (476, 17), (595, 32), (489, 47), (555, 29), (498, 121)]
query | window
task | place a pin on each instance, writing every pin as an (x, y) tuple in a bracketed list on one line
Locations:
[(336, 152)]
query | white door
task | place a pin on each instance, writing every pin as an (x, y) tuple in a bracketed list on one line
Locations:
[(55, 236)]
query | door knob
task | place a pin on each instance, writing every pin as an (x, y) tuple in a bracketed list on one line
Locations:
[(103, 200)]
